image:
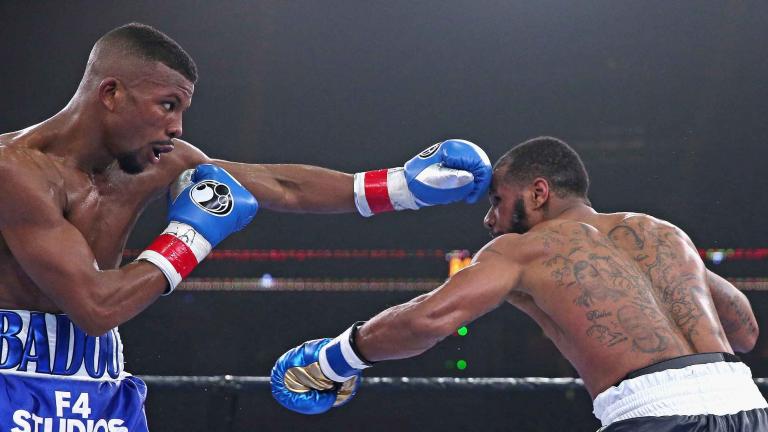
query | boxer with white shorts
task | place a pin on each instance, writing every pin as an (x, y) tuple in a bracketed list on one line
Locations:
[(625, 297)]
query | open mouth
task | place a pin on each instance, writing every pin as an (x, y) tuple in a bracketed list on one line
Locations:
[(159, 149)]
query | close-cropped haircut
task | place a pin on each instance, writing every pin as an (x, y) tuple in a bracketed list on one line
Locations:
[(150, 44), (549, 158)]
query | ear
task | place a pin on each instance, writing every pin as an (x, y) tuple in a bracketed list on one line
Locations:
[(108, 93), (539, 192)]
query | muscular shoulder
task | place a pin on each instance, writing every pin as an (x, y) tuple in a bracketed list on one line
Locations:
[(644, 225), (29, 182), (21, 165), (512, 248), (649, 235)]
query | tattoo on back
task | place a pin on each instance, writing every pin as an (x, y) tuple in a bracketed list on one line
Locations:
[(618, 299), (672, 277)]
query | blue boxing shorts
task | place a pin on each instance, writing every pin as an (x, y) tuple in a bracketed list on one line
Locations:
[(55, 378)]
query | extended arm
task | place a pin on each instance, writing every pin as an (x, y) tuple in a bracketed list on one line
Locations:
[(735, 313), (446, 172), (307, 379), (411, 328), (295, 188)]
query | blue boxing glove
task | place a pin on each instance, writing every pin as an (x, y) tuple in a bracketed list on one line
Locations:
[(318, 375), (450, 171), (206, 205)]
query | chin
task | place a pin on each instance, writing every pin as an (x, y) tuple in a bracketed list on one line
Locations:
[(130, 166)]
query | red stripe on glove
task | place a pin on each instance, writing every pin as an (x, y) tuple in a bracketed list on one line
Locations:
[(176, 252), (376, 192)]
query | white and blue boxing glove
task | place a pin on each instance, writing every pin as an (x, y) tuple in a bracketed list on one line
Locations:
[(450, 171), (318, 375), (205, 206)]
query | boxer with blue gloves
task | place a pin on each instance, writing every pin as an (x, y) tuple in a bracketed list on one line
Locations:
[(74, 186), (80, 383)]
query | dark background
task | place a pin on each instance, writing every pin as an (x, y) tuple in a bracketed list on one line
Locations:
[(666, 102)]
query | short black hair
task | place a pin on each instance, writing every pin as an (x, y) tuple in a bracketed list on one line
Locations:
[(549, 158), (149, 43)]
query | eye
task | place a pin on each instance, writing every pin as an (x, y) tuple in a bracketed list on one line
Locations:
[(169, 106), (495, 199)]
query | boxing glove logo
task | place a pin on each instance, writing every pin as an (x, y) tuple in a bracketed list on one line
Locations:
[(429, 151), (212, 197)]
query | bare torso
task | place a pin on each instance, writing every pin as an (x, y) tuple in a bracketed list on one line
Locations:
[(615, 293), (103, 207)]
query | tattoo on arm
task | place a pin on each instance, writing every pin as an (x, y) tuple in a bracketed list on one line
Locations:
[(743, 318)]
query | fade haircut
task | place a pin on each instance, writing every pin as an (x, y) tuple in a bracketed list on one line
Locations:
[(549, 158), (148, 43)]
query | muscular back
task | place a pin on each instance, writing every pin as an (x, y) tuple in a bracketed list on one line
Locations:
[(616, 293)]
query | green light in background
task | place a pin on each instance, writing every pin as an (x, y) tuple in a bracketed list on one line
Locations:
[(462, 331), (461, 364)]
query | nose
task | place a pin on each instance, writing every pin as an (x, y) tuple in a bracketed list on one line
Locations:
[(489, 220), (174, 129)]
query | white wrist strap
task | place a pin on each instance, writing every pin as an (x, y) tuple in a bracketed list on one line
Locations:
[(382, 190), (176, 251)]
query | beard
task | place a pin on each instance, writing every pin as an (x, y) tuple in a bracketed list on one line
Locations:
[(129, 162), (519, 222)]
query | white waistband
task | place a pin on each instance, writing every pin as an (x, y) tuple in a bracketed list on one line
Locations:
[(714, 388), (50, 345)]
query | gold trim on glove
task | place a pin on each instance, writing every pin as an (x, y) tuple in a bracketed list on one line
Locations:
[(345, 391), (302, 379)]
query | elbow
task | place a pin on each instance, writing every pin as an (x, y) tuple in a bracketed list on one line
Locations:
[(96, 329), (746, 342), (92, 327), (93, 320)]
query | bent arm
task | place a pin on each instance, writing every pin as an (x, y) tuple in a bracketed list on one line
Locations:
[(735, 313), (58, 259), (411, 328)]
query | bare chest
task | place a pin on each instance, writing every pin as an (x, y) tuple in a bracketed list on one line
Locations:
[(105, 214)]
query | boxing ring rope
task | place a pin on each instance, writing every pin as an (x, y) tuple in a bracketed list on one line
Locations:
[(715, 255), (358, 284), (455, 259), (248, 384), (261, 383)]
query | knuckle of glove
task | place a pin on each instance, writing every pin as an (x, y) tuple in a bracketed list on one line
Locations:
[(204, 171), (463, 154)]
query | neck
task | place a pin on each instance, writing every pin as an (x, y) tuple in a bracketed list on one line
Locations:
[(75, 135), (575, 209)]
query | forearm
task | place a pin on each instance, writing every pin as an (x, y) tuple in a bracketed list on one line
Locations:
[(110, 298), (296, 188), (400, 332)]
